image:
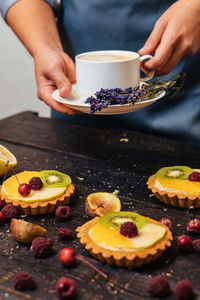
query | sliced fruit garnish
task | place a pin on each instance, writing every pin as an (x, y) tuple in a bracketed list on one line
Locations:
[(99, 204), (54, 179), (25, 232), (6, 156), (189, 187), (175, 172)]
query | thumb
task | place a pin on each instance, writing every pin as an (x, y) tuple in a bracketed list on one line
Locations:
[(62, 82)]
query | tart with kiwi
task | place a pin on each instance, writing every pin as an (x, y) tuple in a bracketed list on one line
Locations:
[(125, 239), (37, 193), (177, 186)]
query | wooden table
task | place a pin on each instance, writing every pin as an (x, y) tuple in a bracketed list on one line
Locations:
[(97, 160)]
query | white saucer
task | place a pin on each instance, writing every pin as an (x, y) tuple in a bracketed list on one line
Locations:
[(76, 102)]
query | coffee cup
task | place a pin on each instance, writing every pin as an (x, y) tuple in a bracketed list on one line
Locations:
[(108, 69)]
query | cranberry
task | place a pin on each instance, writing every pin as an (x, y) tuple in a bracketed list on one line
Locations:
[(129, 229), (166, 222), (66, 287), (184, 243), (67, 256), (194, 226), (195, 176), (196, 246), (64, 233), (159, 286), (36, 183), (24, 189), (62, 213), (184, 290)]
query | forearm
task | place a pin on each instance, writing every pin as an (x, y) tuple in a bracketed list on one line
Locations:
[(34, 24)]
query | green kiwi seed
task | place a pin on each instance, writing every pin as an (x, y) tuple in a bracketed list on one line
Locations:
[(114, 220), (175, 172), (54, 179)]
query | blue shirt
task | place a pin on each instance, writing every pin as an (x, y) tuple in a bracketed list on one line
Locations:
[(125, 24)]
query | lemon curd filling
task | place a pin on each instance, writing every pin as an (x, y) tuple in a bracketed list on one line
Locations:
[(185, 187), (111, 239)]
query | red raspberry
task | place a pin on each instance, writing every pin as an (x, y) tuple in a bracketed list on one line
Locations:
[(166, 222), (9, 212), (184, 290), (41, 246), (35, 183), (1, 218), (63, 213), (195, 176), (159, 286), (24, 281), (184, 243), (24, 189), (66, 287), (67, 256), (64, 233), (196, 246), (129, 229), (194, 226)]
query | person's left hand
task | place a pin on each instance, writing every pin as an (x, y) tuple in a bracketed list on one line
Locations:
[(176, 35)]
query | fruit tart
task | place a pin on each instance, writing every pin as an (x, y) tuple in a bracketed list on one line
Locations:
[(177, 186), (125, 239), (37, 193)]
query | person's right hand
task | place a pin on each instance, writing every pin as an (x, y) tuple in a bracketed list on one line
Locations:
[(54, 69)]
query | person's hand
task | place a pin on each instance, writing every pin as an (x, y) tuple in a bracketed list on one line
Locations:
[(176, 35), (54, 69)]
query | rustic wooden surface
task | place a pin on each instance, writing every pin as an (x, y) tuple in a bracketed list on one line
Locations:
[(97, 160)]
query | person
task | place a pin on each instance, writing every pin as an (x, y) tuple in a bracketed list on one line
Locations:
[(169, 29)]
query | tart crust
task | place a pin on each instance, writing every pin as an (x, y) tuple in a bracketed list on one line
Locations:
[(174, 199), (130, 259), (39, 208)]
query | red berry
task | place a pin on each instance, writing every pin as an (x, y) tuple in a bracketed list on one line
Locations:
[(195, 176), (184, 243), (9, 212), (194, 226), (24, 189), (129, 229), (67, 256), (166, 222), (1, 218), (66, 287), (35, 183), (196, 246), (41, 246), (64, 233), (184, 290), (24, 281), (62, 213), (1, 204), (159, 286)]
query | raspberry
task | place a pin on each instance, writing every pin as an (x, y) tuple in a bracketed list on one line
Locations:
[(66, 287), (129, 229), (64, 233), (67, 256), (35, 183), (159, 286), (184, 290), (24, 281), (1, 218), (63, 213), (24, 189), (194, 226), (41, 246), (184, 243), (195, 176), (9, 212), (196, 246), (166, 222)]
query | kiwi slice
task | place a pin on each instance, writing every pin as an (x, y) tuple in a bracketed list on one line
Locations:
[(175, 172), (114, 220), (54, 179)]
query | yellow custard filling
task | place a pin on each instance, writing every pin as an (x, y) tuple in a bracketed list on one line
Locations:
[(109, 238), (177, 185)]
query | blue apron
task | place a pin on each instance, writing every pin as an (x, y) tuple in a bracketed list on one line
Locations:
[(125, 25)]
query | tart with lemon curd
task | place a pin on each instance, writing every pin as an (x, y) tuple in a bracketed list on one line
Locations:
[(177, 186), (55, 190), (125, 239)]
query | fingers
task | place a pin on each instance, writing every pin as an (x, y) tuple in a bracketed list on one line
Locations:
[(61, 81)]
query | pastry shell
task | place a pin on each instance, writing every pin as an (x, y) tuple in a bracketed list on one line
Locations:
[(39, 208), (130, 259), (174, 199)]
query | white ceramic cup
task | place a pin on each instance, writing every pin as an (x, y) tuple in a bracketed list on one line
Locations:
[(108, 69)]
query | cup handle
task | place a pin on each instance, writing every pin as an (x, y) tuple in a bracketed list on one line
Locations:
[(151, 74)]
